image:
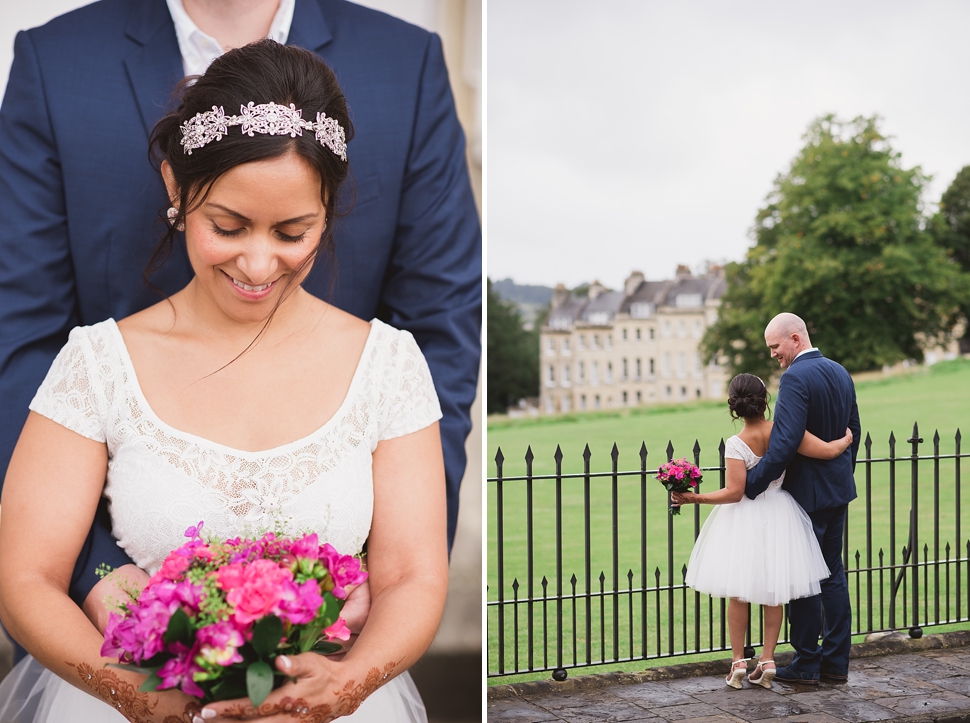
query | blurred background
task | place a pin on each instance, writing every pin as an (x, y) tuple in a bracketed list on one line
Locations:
[(450, 674)]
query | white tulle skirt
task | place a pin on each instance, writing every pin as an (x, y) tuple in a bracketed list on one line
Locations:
[(32, 694), (761, 551)]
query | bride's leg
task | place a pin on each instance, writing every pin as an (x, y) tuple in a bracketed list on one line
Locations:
[(772, 630), (737, 626)]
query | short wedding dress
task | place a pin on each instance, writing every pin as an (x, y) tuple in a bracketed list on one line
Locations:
[(161, 481), (761, 551)]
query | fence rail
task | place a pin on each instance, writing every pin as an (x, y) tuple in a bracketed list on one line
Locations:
[(587, 568)]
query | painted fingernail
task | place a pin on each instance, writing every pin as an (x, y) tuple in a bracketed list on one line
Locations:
[(286, 662), (196, 719), (208, 713)]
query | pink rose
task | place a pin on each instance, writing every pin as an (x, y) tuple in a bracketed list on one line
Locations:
[(337, 631), (262, 588)]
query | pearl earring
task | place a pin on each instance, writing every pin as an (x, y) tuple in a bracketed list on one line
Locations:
[(173, 213)]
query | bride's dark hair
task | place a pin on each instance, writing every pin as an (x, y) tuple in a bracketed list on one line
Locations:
[(261, 72), (747, 396)]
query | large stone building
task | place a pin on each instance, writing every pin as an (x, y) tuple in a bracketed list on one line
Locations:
[(632, 347)]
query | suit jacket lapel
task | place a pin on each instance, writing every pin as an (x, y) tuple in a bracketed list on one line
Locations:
[(309, 28), (156, 67)]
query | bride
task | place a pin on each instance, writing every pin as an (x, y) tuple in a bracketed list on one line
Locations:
[(243, 401)]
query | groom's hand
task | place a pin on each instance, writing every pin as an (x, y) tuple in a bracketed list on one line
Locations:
[(355, 611), (111, 591)]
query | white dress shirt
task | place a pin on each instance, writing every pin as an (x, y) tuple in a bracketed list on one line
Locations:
[(199, 50)]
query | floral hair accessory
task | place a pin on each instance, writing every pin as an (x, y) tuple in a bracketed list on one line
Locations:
[(267, 119)]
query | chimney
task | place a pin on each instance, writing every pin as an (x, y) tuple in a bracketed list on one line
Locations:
[(633, 283), (559, 296), (715, 270), (595, 289), (683, 272)]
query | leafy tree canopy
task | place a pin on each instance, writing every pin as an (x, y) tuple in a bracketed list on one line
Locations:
[(841, 242), (513, 355)]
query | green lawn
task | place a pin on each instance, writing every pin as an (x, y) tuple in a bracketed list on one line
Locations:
[(934, 397)]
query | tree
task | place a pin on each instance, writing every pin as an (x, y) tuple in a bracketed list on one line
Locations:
[(951, 231), (513, 355), (841, 242)]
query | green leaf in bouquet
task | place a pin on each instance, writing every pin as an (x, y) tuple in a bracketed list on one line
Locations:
[(331, 609), (259, 682), (179, 628), (325, 647), (151, 683), (230, 688), (267, 634), (310, 635)]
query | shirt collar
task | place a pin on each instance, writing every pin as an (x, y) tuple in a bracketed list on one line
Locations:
[(199, 49), (805, 351)]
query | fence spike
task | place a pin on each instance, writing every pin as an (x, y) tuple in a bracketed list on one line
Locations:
[(670, 450), (643, 453), (958, 436), (602, 577), (656, 573), (683, 571), (936, 437), (558, 455), (892, 443), (573, 580), (615, 453), (529, 456), (499, 457), (858, 557), (868, 445), (947, 550), (515, 585), (586, 453), (697, 448), (720, 447)]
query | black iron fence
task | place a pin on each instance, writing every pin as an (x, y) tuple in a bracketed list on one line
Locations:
[(587, 568)]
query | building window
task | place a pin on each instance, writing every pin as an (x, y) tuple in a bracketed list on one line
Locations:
[(626, 372), (596, 341), (609, 341), (550, 405), (652, 370), (596, 373), (642, 310), (582, 341), (666, 369), (566, 404), (582, 401), (666, 327), (697, 330), (639, 397), (698, 364), (600, 318), (683, 392), (624, 335), (550, 345), (639, 374), (565, 374), (667, 392), (609, 372), (625, 402), (551, 378), (638, 334), (565, 346), (688, 301), (582, 371), (652, 336), (682, 364), (596, 401), (682, 329), (698, 393)]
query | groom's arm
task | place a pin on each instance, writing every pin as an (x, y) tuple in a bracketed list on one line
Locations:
[(791, 415), (856, 426)]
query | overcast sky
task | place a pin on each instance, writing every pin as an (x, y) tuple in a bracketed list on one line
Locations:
[(629, 135)]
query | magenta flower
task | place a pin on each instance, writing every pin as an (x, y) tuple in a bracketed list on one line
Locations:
[(337, 631), (307, 546), (196, 531), (344, 569), (219, 644), (300, 603), (178, 671)]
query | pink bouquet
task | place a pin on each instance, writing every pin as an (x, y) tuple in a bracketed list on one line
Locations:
[(679, 475), (215, 616)]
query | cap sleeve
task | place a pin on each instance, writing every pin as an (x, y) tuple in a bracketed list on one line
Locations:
[(734, 449), (410, 401), (70, 394)]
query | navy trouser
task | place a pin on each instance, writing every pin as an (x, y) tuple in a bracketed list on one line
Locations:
[(805, 615)]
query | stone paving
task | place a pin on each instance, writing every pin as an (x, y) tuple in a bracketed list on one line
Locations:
[(919, 687)]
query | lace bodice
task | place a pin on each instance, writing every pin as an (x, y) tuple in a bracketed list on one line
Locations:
[(161, 481), (735, 448)]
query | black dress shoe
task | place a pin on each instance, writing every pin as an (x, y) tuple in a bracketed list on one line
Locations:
[(833, 677)]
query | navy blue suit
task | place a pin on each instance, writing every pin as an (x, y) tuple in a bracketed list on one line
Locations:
[(79, 200), (816, 394)]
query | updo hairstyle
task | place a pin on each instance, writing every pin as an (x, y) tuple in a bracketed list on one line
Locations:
[(261, 72), (747, 397)]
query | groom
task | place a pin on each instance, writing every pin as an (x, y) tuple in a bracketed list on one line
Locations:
[(815, 394)]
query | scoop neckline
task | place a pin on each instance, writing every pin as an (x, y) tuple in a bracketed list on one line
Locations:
[(280, 449), (759, 456)]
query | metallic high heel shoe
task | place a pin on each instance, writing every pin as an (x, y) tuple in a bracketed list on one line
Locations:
[(738, 670), (766, 674)]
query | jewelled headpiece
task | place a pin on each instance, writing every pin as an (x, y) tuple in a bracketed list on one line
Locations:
[(266, 118)]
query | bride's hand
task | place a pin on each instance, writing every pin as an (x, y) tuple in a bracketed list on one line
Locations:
[(112, 590), (322, 690), (683, 498), (846, 440)]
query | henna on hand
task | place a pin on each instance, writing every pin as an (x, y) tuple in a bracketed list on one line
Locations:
[(133, 704)]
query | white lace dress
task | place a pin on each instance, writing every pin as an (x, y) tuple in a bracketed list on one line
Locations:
[(761, 551), (161, 481)]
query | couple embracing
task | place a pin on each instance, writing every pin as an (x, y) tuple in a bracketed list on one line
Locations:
[(776, 536)]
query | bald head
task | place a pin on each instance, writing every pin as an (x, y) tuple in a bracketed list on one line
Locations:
[(786, 336)]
